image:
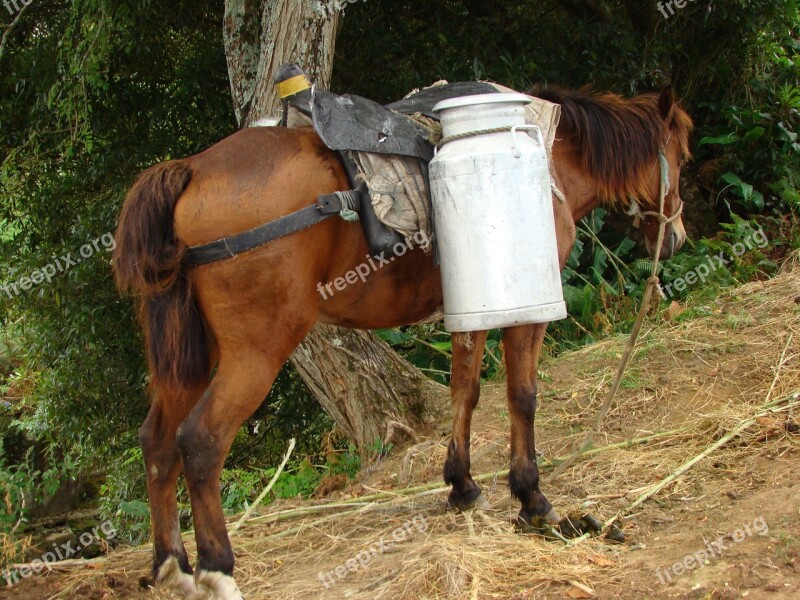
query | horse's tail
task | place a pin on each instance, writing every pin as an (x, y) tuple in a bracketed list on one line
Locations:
[(148, 263)]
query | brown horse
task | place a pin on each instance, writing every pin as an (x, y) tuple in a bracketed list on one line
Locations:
[(246, 315)]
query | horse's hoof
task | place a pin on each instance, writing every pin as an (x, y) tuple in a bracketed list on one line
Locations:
[(460, 503), (172, 577), (214, 585)]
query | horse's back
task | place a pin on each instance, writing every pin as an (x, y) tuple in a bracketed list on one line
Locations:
[(252, 177)]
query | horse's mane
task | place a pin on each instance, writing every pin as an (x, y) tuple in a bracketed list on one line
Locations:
[(616, 140)]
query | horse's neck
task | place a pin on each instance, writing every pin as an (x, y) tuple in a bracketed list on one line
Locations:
[(581, 195), (582, 205)]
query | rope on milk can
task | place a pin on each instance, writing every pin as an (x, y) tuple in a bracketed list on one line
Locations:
[(469, 134), (652, 284)]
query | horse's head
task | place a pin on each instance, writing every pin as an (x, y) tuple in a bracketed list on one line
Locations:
[(666, 180)]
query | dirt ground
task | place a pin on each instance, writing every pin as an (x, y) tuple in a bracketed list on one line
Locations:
[(728, 527)]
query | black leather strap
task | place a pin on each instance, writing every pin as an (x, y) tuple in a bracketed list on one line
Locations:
[(233, 245)]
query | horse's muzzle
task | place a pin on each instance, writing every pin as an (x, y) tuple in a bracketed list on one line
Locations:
[(673, 241)]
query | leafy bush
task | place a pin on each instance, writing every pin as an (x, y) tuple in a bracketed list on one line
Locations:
[(741, 252), (84, 110)]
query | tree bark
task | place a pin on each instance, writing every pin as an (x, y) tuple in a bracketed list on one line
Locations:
[(371, 393)]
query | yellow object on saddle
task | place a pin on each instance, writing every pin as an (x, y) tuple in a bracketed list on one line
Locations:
[(291, 86)]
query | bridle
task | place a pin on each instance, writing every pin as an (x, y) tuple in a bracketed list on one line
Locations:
[(635, 209)]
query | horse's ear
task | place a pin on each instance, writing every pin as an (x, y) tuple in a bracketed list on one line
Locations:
[(666, 100)]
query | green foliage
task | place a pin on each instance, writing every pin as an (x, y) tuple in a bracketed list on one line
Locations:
[(753, 140), (379, 449), (121, 496), (239, 487), (14, 481), (430, 349), (94, 91), (346, 462), (740, 252), (600, 288)]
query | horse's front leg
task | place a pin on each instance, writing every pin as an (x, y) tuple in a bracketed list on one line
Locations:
[(465, 390), (522, 347)]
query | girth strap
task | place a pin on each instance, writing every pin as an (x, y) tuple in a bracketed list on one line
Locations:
[(327, 206)]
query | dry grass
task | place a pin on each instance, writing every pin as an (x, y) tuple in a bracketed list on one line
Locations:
[(702, 377)]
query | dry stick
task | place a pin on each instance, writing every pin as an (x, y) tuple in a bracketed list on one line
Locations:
[(372, 501), (266, 491), (766, 409), (778, 368), (362, 510), (365, 507), (303, 526), (69, 562), (285, 515)]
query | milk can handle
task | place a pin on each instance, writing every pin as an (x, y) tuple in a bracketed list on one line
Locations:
[(516, 152)]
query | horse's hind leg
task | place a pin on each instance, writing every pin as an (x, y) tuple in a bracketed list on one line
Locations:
[(465, 390), (163, 465), (522, 347), (247, 367)]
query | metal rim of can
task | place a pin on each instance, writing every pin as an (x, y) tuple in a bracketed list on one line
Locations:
[(479, 99)]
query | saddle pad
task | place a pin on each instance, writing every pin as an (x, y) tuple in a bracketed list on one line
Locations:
[(398, 185), (398, 188)]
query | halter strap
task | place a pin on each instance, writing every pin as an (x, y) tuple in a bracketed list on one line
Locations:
[(635, 210)]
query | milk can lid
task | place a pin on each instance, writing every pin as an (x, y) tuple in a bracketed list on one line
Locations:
[(481, 99)]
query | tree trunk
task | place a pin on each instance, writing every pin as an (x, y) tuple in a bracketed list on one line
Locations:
[(370, 391)]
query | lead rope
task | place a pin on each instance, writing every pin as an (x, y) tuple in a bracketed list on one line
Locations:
[(652, 284)]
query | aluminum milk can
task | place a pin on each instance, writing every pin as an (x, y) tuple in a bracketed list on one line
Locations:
[(493, 213)]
